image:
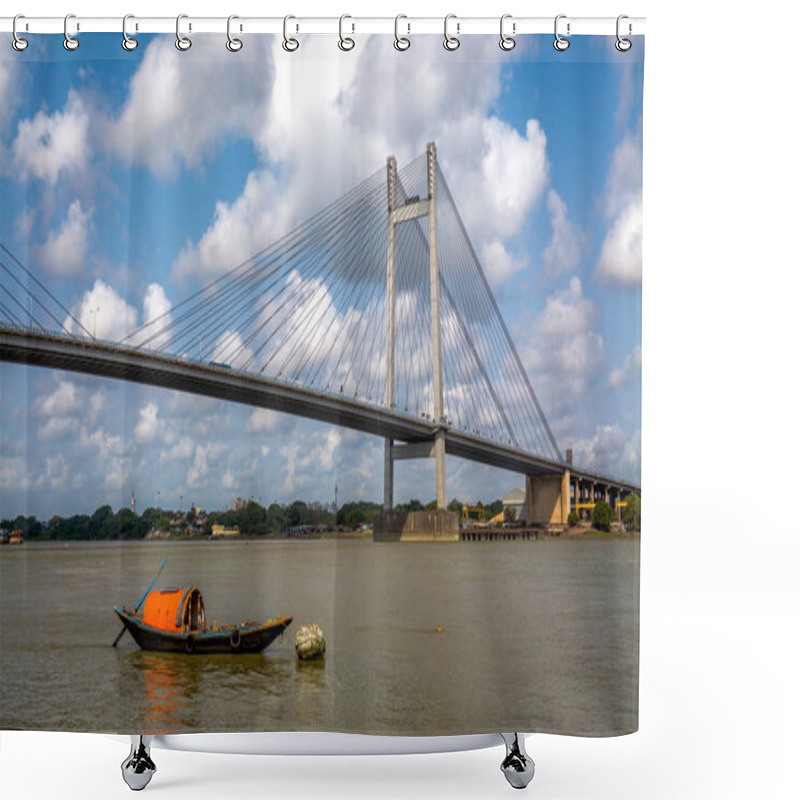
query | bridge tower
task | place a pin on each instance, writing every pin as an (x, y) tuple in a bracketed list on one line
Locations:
[(398, 214)]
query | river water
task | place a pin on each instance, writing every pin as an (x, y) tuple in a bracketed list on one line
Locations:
[(535, 636)]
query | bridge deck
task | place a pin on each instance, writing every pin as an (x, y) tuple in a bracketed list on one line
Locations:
[(107, 360)]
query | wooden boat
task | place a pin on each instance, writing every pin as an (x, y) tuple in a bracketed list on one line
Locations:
[(174, 620)]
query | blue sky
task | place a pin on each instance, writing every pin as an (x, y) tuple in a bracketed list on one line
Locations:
[(130, 180)]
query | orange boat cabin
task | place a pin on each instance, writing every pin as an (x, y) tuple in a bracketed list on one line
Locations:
[(176, 610)]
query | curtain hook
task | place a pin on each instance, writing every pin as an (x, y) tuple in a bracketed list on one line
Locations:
[(234, 45), (18, 43), (289, 45), (561, 44), (70, 42), (345, 42), (401, 42), (181, 42), (506, 42), (451, 42), (128, 42), (623, 45)]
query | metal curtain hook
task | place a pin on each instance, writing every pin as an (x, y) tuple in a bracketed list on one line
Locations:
[(401, 42), (181, 42), (451, 42), (621, 44), (70, 42), (345, 42), (561, 43), (128, 42), (18, 43), (289, 45), (507, 42), (234, 45)]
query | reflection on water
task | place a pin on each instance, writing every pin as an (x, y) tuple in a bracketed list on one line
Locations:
[(421, 639)]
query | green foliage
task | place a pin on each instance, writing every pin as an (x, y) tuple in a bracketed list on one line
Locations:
[(510, 514), (455, 505), (602, 516), (632, 513), (573, 519)]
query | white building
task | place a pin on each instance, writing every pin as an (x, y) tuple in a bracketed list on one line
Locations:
[(515, 500)]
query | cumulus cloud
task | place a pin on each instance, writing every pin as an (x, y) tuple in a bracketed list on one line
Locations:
[(64, 251), (632, 366), (263, 420), (610, 450), (64, 400), (562, 253), (563, 354), (180, 105), (104, 314), (496, 172), (148, 426), (620, 260), (48, 146)]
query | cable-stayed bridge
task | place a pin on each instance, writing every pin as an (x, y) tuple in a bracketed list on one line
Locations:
[(374, 314)]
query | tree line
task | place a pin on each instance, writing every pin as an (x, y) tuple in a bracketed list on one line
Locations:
[(252, 519)]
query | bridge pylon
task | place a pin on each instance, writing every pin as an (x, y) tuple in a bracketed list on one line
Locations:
[(397, 215)]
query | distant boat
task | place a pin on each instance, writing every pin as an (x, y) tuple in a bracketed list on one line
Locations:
[(174, 620)]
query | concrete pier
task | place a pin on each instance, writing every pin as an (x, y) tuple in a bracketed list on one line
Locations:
[(415, 526)]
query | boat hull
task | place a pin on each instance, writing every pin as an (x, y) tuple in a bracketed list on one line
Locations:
[(241, 639)]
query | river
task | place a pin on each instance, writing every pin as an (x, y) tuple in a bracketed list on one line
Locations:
[(422, 638)]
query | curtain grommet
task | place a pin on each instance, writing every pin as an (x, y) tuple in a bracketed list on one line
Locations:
[(346, 43), (17, 42), (70, 42), (561, 43), (451, 43), (507, 42), (129, 43), (623, 45), (290, 44), (183, 43), (401, 43), (233, 44)]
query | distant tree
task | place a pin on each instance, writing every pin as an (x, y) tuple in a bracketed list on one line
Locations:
[(602, 516), (494, 508), (414, 505), (432, 506), (510, 514), (455, 505), (632, 513)]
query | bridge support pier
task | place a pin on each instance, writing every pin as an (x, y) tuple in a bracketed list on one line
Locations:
[(547, 499)]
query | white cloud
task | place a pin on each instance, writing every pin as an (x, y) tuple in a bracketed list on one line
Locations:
[(104, 314), (498, 264), (64, 400), (563, 355), (47, 146), (263, 420), (620, 259), (496, 173), (238, 230), (632, 366), (563, 251), (610, 450), (148, 426), (181, 104), (64, 252)]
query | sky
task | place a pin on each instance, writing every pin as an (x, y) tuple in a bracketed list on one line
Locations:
[(130, 180)]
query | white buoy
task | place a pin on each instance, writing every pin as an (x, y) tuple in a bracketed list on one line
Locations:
[(309, 642)]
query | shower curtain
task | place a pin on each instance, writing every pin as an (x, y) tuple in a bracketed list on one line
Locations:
[(345, 337)]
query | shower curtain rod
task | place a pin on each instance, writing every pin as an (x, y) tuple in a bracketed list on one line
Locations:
[(459, 26)]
